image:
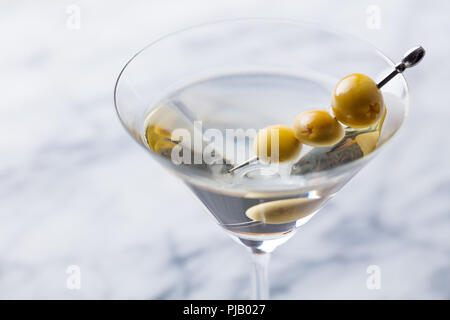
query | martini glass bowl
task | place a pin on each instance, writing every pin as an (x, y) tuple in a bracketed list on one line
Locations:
[(243, 75)]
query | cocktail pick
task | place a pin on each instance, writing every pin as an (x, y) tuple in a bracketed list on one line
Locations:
[(243, 164), (411, 58)]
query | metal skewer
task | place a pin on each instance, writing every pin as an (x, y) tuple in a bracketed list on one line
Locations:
[(243, 164), (411, 58)]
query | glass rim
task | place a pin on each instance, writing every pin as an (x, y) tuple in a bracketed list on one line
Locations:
[(203, 182)]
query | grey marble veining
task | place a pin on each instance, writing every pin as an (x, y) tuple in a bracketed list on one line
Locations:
[(76, 190)]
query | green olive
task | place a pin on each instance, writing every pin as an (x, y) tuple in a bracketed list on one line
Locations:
[(357, 102), (275, 138), (317, 128)]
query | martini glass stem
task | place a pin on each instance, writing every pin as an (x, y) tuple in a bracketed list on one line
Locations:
[(260, 279)]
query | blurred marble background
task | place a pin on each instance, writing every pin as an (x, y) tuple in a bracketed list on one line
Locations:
[(76, 190)]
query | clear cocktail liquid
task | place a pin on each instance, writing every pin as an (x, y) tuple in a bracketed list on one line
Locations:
[(259, 201)]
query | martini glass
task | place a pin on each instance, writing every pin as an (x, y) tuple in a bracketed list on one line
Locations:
[(222, 82)]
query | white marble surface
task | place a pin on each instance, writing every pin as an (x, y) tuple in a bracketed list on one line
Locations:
[(76, 190)]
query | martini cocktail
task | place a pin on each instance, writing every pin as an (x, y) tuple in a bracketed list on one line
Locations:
[(197, 99)]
